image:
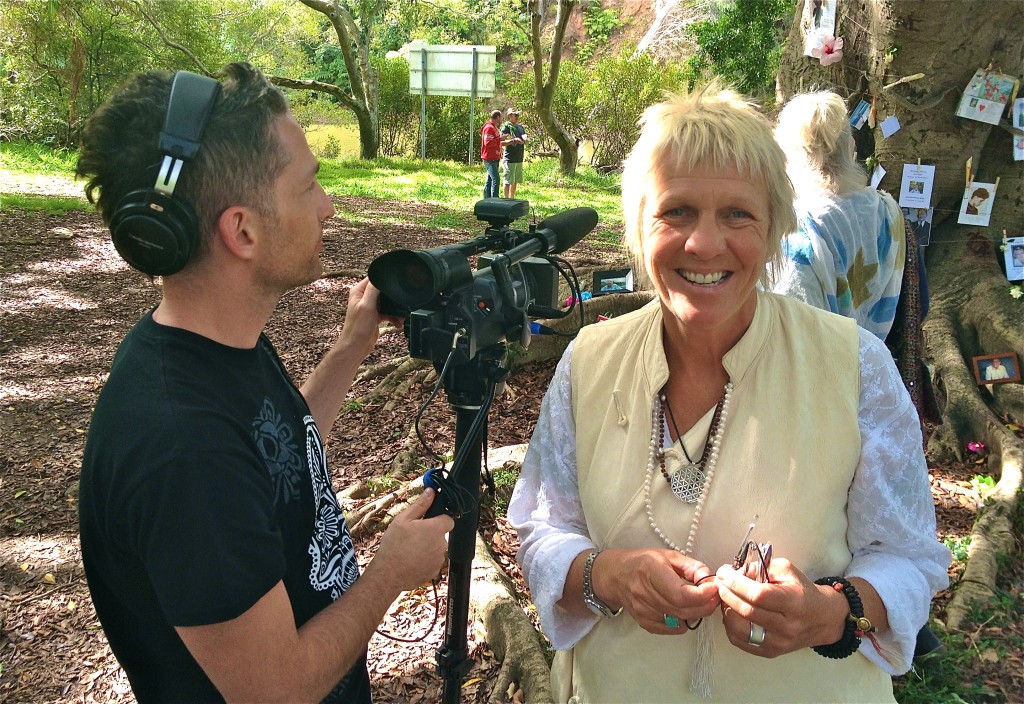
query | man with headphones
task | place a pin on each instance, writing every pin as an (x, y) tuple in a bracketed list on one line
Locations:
[(216, 552)]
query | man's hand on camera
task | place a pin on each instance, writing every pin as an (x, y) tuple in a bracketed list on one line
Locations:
[(413, 548)]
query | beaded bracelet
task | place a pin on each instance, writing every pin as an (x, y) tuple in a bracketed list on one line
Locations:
[(855, 627)]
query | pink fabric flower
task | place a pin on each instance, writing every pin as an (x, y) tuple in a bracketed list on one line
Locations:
[(830, 51), (975, 446)]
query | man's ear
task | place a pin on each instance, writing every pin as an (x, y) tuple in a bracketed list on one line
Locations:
[(236, 231)]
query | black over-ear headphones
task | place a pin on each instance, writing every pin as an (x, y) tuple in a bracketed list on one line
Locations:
[(154, 231)]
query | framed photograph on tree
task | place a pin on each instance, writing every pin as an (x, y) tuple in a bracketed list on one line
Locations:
[(996, 368)]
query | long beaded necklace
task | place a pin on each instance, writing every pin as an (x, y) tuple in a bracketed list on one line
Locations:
[(691, 480), (702, 672)]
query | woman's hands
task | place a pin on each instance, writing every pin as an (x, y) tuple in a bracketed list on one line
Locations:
[(794, 612), (651, 584)]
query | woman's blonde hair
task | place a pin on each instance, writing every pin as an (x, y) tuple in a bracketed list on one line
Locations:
[(712, 127), (814, 131)]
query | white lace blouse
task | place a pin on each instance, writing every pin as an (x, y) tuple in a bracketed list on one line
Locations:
[(891, 512)]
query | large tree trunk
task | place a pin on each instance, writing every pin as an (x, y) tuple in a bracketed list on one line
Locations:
[(913, 59)]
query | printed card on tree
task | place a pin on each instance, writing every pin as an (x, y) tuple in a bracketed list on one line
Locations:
[(1013, 250), (916, 189), (1018, 124), (877, 175), (890, 126), (976, 208), (986, 96)]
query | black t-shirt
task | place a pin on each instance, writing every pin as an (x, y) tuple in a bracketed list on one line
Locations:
[(204, 483), (514, 153)]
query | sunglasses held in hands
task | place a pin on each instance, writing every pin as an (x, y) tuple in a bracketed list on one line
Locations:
[(752, 559)]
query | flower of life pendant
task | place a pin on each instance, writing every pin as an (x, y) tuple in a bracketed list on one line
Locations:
[(687, 483)]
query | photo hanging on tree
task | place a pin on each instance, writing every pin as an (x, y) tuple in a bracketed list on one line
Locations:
[(920, 221), (996, 368), (1013, 254), (976, 208), (916, 187), (818, 22), (986, 96)]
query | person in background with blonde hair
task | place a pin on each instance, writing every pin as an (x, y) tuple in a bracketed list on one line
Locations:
[(847, 252), (665, 430)]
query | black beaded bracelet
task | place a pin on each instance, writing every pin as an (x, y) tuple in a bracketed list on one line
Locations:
[(856, 624)]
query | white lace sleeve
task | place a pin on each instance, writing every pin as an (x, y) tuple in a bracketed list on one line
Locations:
[(545, 509), (891, 511)]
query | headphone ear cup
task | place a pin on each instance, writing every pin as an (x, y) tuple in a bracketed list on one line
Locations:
[(154, 233)]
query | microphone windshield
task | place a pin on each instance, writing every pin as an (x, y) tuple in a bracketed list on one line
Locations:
[(568, 227)]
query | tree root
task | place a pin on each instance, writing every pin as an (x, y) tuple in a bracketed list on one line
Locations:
[(508, 631), (964, 413), (993, 533), (399, 376), (376, 515)]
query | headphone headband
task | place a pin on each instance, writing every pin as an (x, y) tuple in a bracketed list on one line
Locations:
[(189, 107)]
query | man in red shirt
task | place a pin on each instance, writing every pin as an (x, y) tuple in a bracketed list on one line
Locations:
[(490, 154)]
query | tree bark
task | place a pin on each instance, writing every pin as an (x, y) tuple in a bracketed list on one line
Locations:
[(545, 86), (913, 60), (354, 42)]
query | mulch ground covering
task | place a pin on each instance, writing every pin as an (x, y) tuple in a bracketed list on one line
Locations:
[(67, 301)]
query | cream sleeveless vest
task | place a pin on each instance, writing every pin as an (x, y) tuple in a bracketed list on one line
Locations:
[(789, 451)]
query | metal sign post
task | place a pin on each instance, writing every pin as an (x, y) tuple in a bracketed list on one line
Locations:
[(423, 105), (472, 111)]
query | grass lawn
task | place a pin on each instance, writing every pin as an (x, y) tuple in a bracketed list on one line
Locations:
[(28, 170)]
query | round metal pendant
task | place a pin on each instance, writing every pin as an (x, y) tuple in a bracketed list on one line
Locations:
[(687, 483)]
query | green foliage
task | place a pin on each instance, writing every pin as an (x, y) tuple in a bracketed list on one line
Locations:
[(330, 149), (504, 481), (619, 90), (61, 60), (959, 677), (600, 23), (398, 111), (743, 45), (448, 128), (982, 483), (960, 547), (382, 484)]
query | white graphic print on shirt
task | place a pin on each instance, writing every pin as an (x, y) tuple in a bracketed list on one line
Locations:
[(334, 565)]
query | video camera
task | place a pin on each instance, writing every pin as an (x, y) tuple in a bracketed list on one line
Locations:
[(449, 308)]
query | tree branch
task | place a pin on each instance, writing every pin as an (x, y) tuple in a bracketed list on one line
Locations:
[(170, 42), (347, 33), (318, 86)]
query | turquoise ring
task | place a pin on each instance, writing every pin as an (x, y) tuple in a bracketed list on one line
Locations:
[(671, 621)]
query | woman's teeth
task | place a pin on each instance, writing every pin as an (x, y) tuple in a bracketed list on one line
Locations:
[(703, 278)]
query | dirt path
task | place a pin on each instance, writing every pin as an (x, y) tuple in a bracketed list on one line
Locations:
[(66, 300)]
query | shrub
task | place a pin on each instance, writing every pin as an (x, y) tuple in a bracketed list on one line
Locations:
[(398, 110), (743, 45), (619, 90)]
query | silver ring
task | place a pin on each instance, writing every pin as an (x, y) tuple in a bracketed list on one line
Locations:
[(756, 637)]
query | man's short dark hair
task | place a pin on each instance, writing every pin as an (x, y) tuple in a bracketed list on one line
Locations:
[(495, 113), (237, 164)]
